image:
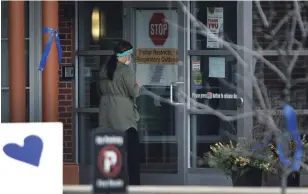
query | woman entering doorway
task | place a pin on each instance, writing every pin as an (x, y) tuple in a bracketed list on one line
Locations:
[(117, 110)]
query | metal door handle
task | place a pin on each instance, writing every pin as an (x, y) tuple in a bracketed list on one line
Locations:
[(171, 93), (240, 102)]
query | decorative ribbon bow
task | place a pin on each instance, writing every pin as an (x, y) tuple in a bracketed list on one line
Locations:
[(290, 117), (53, 34)]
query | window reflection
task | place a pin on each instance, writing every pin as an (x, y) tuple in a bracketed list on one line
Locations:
[(157, 117), (157, 132), (205, 131), (88, 89)]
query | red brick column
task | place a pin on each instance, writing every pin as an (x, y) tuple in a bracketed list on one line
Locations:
[(50, 73), (17, 63)]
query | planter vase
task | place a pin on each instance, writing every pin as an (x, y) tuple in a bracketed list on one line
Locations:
[(293, 180), (251, 177)]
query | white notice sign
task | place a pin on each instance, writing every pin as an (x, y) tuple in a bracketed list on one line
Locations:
[(217, 67), (196, 66), (215, 23)]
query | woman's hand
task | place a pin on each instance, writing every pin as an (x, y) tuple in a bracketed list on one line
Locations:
[(139, 84)]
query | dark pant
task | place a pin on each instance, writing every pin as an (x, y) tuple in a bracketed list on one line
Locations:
[(133, 156)]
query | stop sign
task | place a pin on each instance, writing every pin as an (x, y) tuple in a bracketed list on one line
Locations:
[(158, 29)]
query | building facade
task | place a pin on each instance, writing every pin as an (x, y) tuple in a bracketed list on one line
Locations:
[(174, 134)]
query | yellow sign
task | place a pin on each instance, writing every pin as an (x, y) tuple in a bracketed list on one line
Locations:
[(164, 56), (198, 78)]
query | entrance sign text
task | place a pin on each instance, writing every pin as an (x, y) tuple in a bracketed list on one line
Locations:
[(109, 159), (211, 95), (165, 56)]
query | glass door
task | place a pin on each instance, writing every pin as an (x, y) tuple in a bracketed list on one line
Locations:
[(213, 85), (158, 64), (91, 54)]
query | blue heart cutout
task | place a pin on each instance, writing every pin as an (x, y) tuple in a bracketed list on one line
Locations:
[(30, 153)]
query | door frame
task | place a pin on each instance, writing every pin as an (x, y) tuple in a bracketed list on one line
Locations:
[(129, 24)]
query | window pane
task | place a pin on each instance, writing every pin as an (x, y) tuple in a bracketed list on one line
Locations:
[(5, 21), (87, 124), (157, 117), (113, 22), (206, 130), (157, 132), (213, 81), (275, 86), (159, 157), (5, 63), (228, 24), (206, 125), (88, 88), (5, 106)]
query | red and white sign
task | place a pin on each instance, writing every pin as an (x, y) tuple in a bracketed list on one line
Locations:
[(215, 23), (158, 29), (109, 161)]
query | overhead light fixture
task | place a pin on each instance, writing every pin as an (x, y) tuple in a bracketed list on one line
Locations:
[(98, 24), (95, 24)]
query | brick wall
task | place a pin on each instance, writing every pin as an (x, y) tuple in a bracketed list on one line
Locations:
[(66, 31)]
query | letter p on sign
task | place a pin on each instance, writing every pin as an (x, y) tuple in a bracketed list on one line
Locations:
[(110, 160)]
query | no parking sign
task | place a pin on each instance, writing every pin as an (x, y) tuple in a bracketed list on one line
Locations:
[(109, 162)]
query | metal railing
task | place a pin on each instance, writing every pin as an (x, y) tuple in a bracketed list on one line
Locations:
[(87, 189)]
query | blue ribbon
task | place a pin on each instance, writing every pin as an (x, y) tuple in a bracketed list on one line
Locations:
[(53, 34), (290, 117)]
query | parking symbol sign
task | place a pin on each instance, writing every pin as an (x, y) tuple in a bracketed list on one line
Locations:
[(109, 162)]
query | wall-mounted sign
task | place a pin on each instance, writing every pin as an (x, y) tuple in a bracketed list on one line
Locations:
[(215, 23), (164, 56)]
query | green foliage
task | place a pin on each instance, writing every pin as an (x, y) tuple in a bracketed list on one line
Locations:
[(230, 157)]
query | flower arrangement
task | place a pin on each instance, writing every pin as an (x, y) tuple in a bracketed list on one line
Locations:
[(237, 158)]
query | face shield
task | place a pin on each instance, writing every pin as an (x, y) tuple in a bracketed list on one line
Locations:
[(127, 54)]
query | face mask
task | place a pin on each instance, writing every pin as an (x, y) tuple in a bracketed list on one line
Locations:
[(127, 62)]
